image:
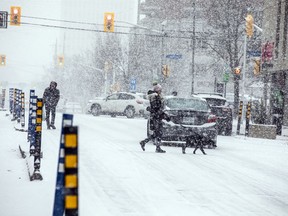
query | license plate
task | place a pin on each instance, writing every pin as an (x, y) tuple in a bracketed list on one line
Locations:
[(190, 120)]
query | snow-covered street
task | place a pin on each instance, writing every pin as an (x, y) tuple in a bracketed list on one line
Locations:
[(243, 176)]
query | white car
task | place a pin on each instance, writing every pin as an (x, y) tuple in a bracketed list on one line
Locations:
[(72, 107), (120, 103)]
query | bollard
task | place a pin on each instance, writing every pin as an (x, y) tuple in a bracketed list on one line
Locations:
[(3, 98), (22, 110), (14, 114), (71, 171), (11, 93), (32, 93), (38, 130), (58, 209), (18, 105), (248, 114), (32, 129), (239, 117)]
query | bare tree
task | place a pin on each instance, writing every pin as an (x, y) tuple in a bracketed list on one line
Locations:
[(227, 18)]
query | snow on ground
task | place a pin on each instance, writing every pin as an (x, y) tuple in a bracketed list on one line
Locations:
[(243, 176)]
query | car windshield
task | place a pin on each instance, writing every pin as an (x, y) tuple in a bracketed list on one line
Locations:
[(185, 103), (215, 101)]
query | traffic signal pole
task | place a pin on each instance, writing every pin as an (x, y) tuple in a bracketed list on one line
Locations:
[(244, 67)]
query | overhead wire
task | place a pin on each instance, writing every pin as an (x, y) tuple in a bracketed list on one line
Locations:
[(174, 34)]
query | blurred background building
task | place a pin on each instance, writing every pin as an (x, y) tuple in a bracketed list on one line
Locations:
[(274, 60)]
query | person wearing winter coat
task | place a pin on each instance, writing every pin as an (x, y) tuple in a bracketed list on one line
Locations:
[(156, 115), (51, 97)]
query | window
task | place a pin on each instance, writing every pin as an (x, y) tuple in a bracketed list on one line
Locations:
[(112, 97), (285, 29), (181, 103), (278, 29), (126, 97)]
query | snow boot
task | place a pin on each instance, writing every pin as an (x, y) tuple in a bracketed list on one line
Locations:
[(52, 126), (48, 125), (142, 143), (183, 149), (159, 150)]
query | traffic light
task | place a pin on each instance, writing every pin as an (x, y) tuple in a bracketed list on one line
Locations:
[(165, 70), (109, 22), (237, 71), (256, 67), (3, 19), (249, 25), (15, 15), (3, 60), (61, 61)]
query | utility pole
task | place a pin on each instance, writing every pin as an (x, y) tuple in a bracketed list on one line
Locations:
[(193, 49), (244, 67), (162, 46)]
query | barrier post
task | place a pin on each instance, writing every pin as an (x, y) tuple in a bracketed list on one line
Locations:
[(11, 93), (14, 104), (3, 98), (248, 112), (33, 125), (239, 117), (38, 129), (58, 209), (32, 93), (18, 104), (71, 171), (22, 110)]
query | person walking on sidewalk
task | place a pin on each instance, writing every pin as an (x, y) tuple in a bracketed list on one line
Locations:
[(51, 97)]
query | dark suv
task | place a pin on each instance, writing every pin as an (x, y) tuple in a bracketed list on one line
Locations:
[(221, 109)]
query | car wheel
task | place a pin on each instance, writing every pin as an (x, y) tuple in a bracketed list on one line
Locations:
[(129, 112), (95, 110)]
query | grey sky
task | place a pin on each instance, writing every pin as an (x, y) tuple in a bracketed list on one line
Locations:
[(29, 49)]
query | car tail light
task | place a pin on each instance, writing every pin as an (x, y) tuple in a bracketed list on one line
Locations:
[(212, 118), (139, 101)]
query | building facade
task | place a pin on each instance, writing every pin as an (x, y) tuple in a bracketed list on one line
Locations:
[(182, 43), (274, 60)]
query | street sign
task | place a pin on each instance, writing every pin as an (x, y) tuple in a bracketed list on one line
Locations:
[(254, 53), (133, 85), (174, 56), (225, 77), (220, 88)]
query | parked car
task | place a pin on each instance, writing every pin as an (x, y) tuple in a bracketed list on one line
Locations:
[(221, 109), (189, 117), (120, 103), (72, 107)]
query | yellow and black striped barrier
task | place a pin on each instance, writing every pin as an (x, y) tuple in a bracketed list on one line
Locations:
[(38, 131), (248, 115), (239, 117), (71, 201)]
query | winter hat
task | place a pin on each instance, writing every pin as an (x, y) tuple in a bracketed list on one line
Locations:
[(157, 88), (154, 83), (53, 83)]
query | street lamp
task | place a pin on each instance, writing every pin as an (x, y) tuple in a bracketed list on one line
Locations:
[(162, 44)]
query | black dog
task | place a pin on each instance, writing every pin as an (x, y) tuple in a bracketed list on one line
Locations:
[(196, 140)]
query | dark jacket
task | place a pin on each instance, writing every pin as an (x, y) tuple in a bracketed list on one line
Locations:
[(156, 105), (51, 95)]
